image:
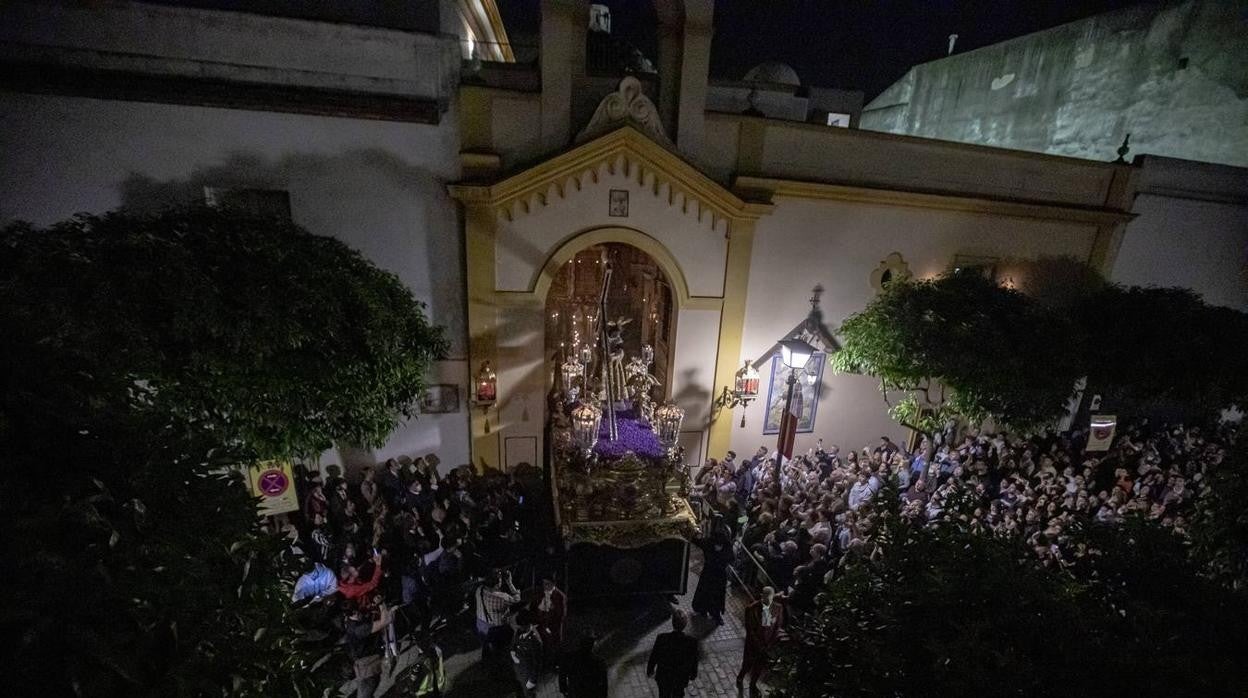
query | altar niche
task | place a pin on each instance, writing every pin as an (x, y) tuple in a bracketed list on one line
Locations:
[(640, 292)]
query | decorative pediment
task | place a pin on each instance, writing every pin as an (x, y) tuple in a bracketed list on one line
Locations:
[(623, 150), (627, 105)]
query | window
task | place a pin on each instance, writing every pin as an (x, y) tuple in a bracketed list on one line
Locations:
[(838, 119), (976, 264), (891, 268)]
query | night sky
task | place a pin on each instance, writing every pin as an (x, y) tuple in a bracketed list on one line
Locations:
[(850, 44)]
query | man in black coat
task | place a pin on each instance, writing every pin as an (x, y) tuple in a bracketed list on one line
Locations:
[(674, 659), (526, 655), (583, 674)]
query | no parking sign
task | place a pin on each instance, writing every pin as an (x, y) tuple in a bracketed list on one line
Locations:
[(273, 482)]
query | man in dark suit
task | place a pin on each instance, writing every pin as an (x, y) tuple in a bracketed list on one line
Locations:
[(526, 655), (583, 674), (763, 620), (674, 659)]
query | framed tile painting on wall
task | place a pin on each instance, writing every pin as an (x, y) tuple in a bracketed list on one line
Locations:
[(805, 393), (441, 398)]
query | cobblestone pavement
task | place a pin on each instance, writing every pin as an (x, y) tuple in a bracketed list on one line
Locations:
[(627, 628)]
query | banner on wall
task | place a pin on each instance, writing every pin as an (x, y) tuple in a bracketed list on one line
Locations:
[(273, 481), (1101, 433)]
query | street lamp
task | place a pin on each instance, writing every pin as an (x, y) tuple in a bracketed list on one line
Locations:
[(794, 352)]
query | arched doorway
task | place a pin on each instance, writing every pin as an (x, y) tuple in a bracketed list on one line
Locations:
[(639, 291)]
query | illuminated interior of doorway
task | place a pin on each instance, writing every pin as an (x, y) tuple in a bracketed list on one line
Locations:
[(639, 290)]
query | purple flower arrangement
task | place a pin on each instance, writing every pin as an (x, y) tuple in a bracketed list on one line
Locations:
[(634, 435)]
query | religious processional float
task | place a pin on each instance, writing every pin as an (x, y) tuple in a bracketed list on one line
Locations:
[(620, 483)]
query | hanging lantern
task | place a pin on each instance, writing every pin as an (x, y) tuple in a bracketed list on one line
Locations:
[(668, 419), (746, 384), (573, 371), (586, 420), (487, 386)]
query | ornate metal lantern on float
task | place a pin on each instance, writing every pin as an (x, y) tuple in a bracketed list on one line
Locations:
[(573, 374), (586, 422), (668, 419)]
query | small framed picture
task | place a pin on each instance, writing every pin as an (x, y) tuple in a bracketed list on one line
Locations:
[(619, 203), (441, 398)]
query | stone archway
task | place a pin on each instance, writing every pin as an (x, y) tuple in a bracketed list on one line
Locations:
[(517, 237), (632, 237), (639, 291)]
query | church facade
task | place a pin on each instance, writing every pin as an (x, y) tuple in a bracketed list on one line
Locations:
[(497, 200)]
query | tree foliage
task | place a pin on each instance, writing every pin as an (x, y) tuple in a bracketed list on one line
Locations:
[(143, 357), (944, 612), (144, 571), (1162, 347), (961, 345), (263, 333), (1220, 527)]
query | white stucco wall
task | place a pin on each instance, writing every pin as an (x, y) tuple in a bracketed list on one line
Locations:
[(1202, 245), (837, 244), (378, 186), (1191, 230), (693, 364)]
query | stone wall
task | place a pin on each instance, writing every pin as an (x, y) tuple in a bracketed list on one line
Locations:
[(1170, 74), (378, 185)]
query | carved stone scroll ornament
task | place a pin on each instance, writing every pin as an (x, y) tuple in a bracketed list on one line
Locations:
[(627, 105)]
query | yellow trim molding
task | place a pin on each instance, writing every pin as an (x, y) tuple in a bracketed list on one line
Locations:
[(731, 330), (479, 231), (946, 202)]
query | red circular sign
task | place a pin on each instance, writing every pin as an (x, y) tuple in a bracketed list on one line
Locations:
[(1101, 432), (272, 482)]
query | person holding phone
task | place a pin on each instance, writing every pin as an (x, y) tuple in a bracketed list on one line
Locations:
[(349, 583)]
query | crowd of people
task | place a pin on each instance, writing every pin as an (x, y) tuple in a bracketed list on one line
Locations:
[(824, 511), (395, 554), (402, 549)]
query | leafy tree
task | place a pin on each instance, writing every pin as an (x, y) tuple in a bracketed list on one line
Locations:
[(142, 358), (1190, 627), (962, 346), (256, 330), (1055, 282), (1220, 527), (1147, 348), (940, 611)]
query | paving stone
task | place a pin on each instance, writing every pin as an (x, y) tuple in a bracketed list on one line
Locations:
[(627, 629)]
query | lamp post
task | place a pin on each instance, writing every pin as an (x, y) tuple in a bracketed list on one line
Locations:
[(794, 352)]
